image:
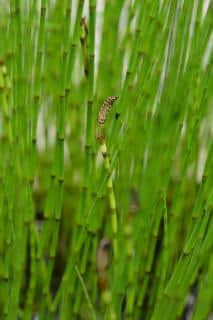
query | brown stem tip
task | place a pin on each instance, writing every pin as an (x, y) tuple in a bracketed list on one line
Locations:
[(106, 106)]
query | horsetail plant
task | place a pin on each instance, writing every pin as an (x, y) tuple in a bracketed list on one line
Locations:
[(101, 122), (106, 215)]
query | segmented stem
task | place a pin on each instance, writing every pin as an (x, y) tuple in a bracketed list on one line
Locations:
[(103, 147)]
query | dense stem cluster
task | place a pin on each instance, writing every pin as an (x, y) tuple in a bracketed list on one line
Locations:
[(106, 215)]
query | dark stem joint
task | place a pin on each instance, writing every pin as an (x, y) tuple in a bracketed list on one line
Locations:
[(117, 115), (61, 180)]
